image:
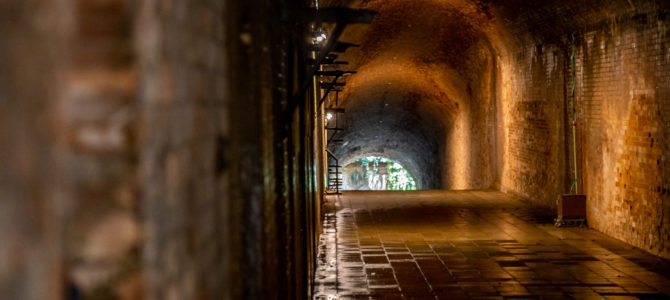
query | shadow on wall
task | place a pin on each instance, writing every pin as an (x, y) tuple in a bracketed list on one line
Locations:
[(377, 173)]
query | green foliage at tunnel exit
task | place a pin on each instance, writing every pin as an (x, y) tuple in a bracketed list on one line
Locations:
[(385, 174)]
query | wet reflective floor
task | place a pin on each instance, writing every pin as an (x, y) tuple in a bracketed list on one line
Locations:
[(472, 245)]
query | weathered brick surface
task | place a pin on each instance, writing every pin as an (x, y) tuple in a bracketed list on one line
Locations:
[(422, 94), (30, 195), (512, 129), (145, 150), (219, 223), (624, 74), (622, 67), (181, 101), (142, 147), (532, 115), (98, 115)]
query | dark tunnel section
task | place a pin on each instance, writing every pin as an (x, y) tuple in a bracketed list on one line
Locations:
[(423, 93), (392, 127)]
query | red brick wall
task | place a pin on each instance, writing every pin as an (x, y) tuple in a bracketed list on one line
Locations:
[(532, 115), (625, 102), (622, 67), (469, 148)]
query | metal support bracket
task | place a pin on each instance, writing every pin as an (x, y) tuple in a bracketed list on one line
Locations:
[(341, 16), (329, 15)]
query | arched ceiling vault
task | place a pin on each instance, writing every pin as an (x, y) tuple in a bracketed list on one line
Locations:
[(418, 65), (429, 70)]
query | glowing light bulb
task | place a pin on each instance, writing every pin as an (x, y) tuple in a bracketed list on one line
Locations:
[(329, 116), (320, 35)]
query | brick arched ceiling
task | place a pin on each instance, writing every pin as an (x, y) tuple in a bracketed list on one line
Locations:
[(420, 65), (435, 78)]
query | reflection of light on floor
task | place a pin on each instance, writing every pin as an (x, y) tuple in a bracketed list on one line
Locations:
[(326, 275), (464, 244)]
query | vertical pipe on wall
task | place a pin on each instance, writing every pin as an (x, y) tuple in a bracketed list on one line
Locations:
[(574, 187)]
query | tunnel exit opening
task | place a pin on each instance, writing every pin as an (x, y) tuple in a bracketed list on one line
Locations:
[(377, 173)]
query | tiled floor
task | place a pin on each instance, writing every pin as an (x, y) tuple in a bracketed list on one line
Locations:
[(471, 245)]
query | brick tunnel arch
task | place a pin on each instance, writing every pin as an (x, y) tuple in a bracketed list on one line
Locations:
[(179, 125), (388, 116), (510, 62), (423, 91)]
